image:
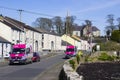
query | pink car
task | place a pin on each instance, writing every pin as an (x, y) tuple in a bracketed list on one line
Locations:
[(20, 54), (70, 51), (36, 57)]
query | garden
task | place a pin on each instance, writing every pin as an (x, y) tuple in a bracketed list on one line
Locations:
[(100, 65)]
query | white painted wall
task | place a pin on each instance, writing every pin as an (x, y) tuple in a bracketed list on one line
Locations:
[(32, 37), (48, 38), (17, 35), (12, 35), (6, 49), (46, 45), (96, 33), (38, 37), (77, 33), (5, 32), (58, 41)]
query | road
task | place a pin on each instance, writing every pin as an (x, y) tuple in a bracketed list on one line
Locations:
[(29, 71)]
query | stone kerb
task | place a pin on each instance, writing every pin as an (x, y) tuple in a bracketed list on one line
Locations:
[(70, 74)]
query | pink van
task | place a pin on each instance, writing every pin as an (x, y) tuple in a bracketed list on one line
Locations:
[(21, 53), (70, 51)]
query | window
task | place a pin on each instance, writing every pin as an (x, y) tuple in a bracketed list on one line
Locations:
[(18, 50), (28, 50), (76, 33), (6, 45), (52, 43), (42, 44), (42, 36)]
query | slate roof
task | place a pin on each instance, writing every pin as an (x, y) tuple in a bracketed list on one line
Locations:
[(95, 28), (80, 28), (41, 30), (21, 24), (8, 23), (17, 24), (47, 32)]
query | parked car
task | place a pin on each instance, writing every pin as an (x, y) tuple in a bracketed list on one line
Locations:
[(36, 57)]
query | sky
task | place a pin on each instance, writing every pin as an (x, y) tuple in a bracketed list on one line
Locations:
[(94, 10)]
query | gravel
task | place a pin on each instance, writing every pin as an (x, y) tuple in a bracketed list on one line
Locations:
[(100, 70)]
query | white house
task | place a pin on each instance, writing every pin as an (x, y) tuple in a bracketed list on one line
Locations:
[(86, 31), (31, 36), (9, 34), (50, 41), (17, 32), (76, 41), (5, 48)]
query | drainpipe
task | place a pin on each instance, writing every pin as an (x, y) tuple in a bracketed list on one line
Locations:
[(2, 50), (19, 37), (33, 42)]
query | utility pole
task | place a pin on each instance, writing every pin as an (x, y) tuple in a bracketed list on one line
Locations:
[(89, 33), (20, 14), (66, 25)]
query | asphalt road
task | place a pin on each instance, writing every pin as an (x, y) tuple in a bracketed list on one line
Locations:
[(29, 71)]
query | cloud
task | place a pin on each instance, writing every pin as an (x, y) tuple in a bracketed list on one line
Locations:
[(100, 6)]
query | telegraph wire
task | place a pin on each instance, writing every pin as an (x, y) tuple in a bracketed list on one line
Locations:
[(37, 13), (21, 10), (8, 8)]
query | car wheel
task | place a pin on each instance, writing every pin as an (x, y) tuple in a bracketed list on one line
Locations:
[(10, 63), (39, 60)]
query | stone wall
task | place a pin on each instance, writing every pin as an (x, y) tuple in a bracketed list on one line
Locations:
[(67, 73)]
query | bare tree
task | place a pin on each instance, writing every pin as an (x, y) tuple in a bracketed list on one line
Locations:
[(57, 21), (88, 24), (108, 34), (44, 23), (69, 22), (110, 21), (118, 19)]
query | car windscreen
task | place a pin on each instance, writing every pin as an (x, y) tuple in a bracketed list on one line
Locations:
[(18, 50), (35, 54), (69, 50)]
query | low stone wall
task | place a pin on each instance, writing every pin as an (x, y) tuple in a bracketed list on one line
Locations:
[(67, 73)]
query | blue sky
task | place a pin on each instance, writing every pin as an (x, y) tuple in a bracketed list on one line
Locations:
[(95, 10)]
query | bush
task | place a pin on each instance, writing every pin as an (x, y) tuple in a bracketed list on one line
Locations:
[(78, 58), (86, 58), (72, 63), (116, 35), (105, 57), (109, 46)]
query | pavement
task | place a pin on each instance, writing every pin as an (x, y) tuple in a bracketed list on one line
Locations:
[(3, 62), (51, 73)]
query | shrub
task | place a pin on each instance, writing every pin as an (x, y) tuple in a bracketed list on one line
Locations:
[(78, 58), (86, 58), (109, 46), (116, 35), (105, 57), (72, 63)]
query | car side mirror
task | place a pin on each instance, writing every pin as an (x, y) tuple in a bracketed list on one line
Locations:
[(9, 52)]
